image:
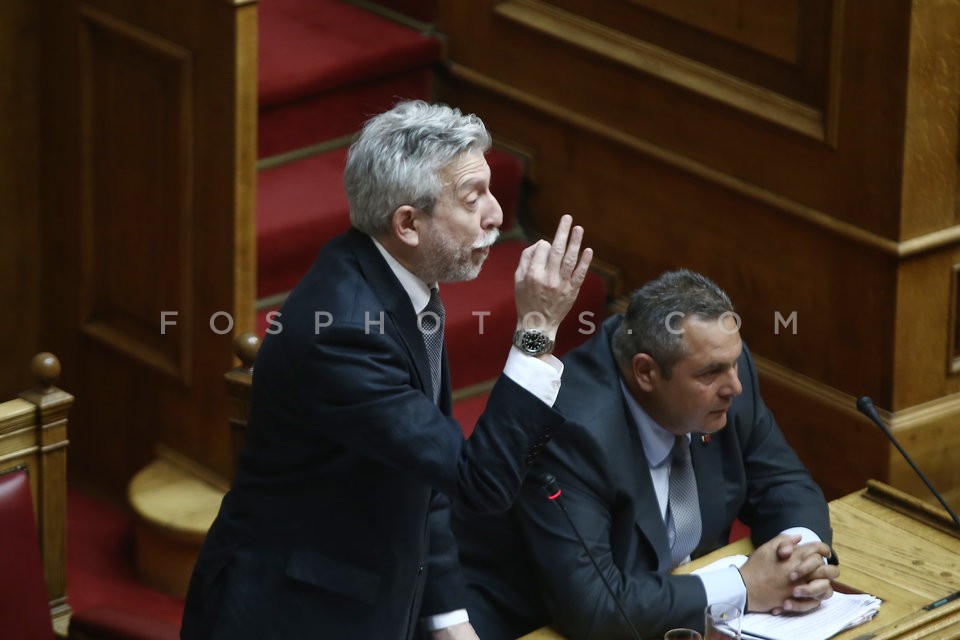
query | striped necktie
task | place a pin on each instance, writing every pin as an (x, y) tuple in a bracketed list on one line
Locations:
[(684, 502)]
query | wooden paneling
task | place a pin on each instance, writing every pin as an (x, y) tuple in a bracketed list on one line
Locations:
[(802, 154), (930, 154), (648, 212), (19, 219), (782, 46), (749, 129), (149, 136), (601, 39), (138, 215), (771, 28)]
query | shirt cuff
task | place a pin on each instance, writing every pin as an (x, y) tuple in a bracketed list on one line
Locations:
[(806, 535), (444, 620), (725, 585), (540, 376)]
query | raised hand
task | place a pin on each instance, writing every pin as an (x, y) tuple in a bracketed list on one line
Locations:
[(548, 278)]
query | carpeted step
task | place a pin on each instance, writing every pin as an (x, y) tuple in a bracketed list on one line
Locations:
[(326, 66), (101, 570), (302, 204), (468, 410)]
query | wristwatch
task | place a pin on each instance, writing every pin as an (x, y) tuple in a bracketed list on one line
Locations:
[(532, 342)]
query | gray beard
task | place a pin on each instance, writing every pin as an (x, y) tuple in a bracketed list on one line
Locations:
[(443, 264)]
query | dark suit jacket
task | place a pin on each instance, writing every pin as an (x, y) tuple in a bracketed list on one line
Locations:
[(326, 532), (747, 470)]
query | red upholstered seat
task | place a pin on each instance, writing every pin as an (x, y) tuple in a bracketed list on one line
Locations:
[(24, 607)]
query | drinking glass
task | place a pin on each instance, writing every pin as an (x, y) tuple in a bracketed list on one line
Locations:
[(682, 634), (722, 622)]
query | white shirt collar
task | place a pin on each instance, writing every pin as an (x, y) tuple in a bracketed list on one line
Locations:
[(657, 441), (417, 290)]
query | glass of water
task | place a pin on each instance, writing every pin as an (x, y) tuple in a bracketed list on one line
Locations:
[(722, 622)]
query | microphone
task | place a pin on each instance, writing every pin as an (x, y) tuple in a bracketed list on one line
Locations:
[(865, 405), (553, 491)]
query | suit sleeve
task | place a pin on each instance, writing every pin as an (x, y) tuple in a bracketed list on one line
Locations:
[(446, 587), (780, 491), (387, 417), (573, 592)]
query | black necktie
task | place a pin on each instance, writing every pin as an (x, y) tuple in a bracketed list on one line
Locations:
[(431, 325), (684, 502)]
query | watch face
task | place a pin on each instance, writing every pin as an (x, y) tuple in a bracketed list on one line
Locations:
[(533, 342)]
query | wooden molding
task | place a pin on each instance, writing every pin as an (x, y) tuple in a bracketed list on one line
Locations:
[(909, 505), (943, 408), (906, 249), (953, 360), (823, 394), (677, 70)]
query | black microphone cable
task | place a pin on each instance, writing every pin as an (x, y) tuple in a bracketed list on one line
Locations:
[(553, 491)]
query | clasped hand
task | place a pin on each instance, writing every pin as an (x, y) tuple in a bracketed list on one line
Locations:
[(548, 278), (784, 576)]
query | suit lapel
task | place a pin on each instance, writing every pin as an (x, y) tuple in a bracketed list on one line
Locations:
[(649, 521), (396, 304), (707, 468), (623, 433)]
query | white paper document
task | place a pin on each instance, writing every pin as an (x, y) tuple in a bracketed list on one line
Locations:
[(842, 611)]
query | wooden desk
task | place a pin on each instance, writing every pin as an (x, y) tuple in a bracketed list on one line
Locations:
[(892, 545)]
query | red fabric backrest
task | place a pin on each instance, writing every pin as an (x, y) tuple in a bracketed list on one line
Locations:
[(24, 609)]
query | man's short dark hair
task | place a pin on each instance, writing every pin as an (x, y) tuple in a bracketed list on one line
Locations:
[(656, 311)]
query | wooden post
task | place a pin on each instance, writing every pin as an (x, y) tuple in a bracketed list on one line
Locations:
[(50, 477), (239, 379)]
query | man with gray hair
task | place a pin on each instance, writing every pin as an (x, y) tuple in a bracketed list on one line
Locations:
[(337, 523), (667, 442)]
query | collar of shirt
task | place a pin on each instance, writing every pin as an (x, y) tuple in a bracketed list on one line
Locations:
[(657, 441), (417, 290)]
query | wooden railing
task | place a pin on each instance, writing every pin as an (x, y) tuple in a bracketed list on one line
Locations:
[(33, 433)]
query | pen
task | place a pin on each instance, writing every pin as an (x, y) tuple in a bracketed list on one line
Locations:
[(942, 601)]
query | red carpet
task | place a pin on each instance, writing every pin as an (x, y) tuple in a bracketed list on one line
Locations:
[(100, 565)]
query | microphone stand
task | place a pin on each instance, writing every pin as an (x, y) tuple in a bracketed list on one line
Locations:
[(865, 405), (553, 491)]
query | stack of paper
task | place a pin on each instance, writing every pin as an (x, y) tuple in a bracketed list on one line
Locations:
[(840, 612)]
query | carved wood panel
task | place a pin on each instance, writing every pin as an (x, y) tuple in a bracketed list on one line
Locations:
[(149, 128), (138, 209)]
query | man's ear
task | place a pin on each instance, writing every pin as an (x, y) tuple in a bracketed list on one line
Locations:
[(405, 225), (645, 370)]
